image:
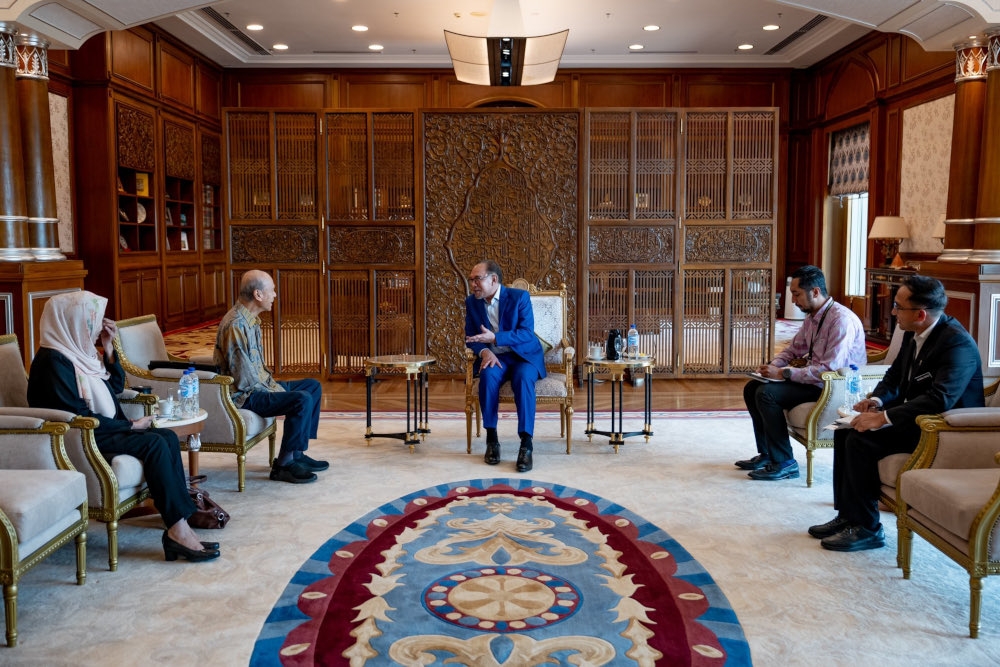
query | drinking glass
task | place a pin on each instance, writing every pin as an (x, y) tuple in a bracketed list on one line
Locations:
[(618, 347)]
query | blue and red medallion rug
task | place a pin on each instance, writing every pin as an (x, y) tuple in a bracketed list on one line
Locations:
[(501, 572)]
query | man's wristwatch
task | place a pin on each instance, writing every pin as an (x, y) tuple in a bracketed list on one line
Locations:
[(786, 373)]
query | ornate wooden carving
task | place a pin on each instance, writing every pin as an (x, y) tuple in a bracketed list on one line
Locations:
[(274, 245), (178, 142), (372, 245), (211, 160), (136, 141), (751, 243), (500, 185), (614, 245)]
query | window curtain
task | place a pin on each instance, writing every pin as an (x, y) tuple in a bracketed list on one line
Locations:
[(850, 150)]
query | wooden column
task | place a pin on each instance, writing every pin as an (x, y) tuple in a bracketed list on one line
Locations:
[(13, 211), (986, 247), (36, 145), (966, 148)]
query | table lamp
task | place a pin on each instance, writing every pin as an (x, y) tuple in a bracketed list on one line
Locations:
[(889, 230)]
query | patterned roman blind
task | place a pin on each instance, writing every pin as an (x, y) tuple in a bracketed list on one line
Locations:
[(850, 150)]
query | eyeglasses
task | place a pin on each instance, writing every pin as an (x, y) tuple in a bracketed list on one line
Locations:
[(896, 306), (479, 279)]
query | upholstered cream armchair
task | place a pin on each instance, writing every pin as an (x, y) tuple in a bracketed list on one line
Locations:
[(551, 326), (228, 429), (949, 494), (113, 488), (43, 504)]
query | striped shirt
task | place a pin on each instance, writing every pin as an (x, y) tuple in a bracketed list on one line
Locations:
[(836, 337)]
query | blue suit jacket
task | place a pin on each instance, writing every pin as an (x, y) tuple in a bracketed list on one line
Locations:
[(517, 326)]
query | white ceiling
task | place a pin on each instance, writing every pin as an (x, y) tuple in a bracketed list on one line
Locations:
[(693, 33)]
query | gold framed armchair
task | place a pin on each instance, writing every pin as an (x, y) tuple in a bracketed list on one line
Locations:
[(43, 504), (228, 429), (948, 492), (551, 325)]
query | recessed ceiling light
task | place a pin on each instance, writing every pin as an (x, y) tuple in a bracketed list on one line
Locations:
[(650, 28), (280, 47), (255, 27), (745, 47), (375, 47), (771, 26), (973, 36), (636, 47), (359, 28)]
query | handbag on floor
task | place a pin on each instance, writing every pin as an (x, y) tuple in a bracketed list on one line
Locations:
[(208, 513)]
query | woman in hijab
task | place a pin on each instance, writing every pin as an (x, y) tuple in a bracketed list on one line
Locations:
[(68, 373)]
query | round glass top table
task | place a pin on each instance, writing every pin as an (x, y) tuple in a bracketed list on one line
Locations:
[(417, 411), (617, 434), (188, 430)]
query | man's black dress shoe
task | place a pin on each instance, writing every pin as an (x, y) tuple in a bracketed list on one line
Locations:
[(524, 460), (492, 453), (294, 473), (773, 472), (311, 464), (855, 538), (173, 549), (756, 463), (831, 527)]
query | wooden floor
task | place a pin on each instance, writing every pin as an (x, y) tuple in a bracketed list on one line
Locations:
[(448, 395)]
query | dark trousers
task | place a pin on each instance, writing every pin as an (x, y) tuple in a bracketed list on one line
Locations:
[(767, 402), (299, 403), (160, 454), (856, 481), (522, 376)]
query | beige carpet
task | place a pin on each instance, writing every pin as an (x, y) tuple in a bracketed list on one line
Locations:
[(798, 604)]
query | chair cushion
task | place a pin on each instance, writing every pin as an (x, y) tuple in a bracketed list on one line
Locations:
[(34, 500), (255, 423), (799, 415), (128, 472), (950, 498), (552, 385), (889, 467)]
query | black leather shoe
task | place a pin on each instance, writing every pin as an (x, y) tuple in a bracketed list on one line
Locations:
[(210, 545), (293, 473), (756, 463), (855, 538), (524, 460), (311, 464), (492, 453), (173, 549), (831, 527), (772, 472)]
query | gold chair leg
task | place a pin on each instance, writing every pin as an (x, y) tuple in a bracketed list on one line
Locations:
[(569, 427), (113, 545), (10, 612), (809, 467), (81, 558), (975, 604), (241, 471), (904, 545), (271, 439), (468, 428)]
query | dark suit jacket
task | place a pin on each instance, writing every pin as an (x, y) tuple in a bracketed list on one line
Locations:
[(947, 374), (517, 326)]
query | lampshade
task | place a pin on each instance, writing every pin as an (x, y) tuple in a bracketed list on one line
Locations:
[(505, 56), (939, 228), (889, 227)]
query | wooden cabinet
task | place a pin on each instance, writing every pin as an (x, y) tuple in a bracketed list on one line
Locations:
[(882, 286), (142, 167), (680, 223)]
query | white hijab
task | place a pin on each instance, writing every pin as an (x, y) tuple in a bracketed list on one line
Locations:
[(71, 323)]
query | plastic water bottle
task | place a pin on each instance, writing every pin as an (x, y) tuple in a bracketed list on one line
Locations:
[(633, 343), (188, 390), (195, 392), (852, 388)]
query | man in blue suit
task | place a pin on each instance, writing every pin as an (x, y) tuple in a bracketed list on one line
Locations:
[(500, 331)]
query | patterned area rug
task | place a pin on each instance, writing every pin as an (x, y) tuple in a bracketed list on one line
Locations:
[(501, 572)]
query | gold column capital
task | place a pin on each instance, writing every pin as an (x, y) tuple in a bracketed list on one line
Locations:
[(970, 61), (32, 57)]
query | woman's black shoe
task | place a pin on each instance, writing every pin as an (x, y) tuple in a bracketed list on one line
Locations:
[(173, 549), (210, 545)]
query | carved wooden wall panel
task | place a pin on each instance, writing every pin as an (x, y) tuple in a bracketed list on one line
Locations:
[(268, 245), (136, 138), (178, 143), (372, 245), (499, 185)]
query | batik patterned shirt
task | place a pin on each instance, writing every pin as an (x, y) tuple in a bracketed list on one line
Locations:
[(239, 352), (836, 337)]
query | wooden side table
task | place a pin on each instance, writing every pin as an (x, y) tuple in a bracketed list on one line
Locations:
[(188, 430), (617, 434), (417, 410)]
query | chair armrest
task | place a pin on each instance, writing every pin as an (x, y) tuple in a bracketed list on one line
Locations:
[(32, 443), (946, 445), (130, 397)]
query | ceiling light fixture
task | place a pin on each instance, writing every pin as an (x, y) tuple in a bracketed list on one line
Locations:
[(255, 27), (359, 28), (280, 47), (375, 47), (635, 47), (650, 28), (771, 26), (745, 47), (505, 56)]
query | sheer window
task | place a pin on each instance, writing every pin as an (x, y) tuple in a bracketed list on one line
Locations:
[(856, 206)]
